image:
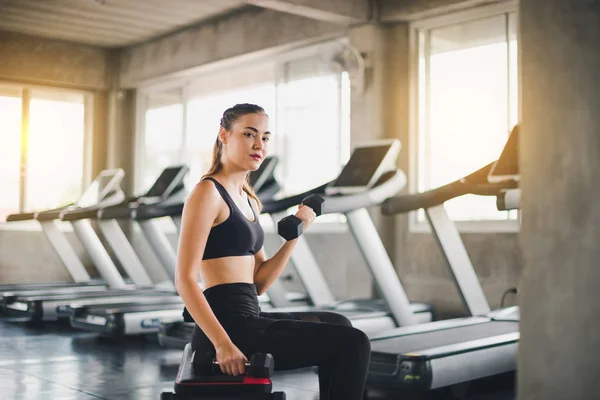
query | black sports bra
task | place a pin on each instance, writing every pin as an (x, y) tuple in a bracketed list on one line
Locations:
[(237, 235)]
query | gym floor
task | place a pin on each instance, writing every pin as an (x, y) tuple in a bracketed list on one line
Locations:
[(55, 362)]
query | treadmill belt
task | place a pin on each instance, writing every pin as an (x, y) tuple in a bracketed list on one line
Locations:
[(432, 339)]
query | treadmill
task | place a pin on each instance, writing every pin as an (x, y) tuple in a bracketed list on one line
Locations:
[(447, 353), (369, 178), (47, 306), (129, 316), (104, 188), (165, 198)]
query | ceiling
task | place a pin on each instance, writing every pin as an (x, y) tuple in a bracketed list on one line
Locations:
[(107, 23)]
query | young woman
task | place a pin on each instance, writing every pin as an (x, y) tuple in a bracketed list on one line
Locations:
[(222, 241)]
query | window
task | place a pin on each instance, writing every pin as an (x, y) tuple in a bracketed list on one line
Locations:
[(42, 151), (10, 150), (210, 95), (466, 102), (163, 134), (307, 101), (312, 127)]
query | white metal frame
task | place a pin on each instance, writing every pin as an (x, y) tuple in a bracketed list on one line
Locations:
[(416, 31)]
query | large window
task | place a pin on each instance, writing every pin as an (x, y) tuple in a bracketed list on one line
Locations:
[(466, 102), (10, 150), (307, 101), (42, 148), (313, 124), (163, 134), (207, 101)]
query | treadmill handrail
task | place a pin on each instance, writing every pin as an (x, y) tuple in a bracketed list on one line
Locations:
[(79, 214), (117, 197), (474, 183), (145, 212), (390, 184), (93, 211), (141, 211), (271, 207), (49, 215), (27, 216)]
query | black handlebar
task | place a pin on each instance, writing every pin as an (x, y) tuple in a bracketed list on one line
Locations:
[(474, 183)]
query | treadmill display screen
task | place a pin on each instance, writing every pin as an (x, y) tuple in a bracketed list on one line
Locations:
[(165, 181), (100, 187), (508, 163), (362, 165)]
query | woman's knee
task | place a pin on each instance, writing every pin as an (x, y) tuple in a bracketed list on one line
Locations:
[(359, 340), (363, 339)]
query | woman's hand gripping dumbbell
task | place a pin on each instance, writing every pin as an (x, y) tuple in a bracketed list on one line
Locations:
[(292, 226), (261, 365)]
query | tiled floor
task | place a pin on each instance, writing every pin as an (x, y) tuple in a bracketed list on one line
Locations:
[(58, 363)]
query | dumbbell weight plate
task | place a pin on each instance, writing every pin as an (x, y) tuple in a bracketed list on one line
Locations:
[(289, 227), (261, 365)]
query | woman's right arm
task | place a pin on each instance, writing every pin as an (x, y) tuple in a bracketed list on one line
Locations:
[(199, 213)]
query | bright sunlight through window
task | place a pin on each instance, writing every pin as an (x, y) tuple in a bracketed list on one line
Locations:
[(48, 171), (309, 111), (468, 103), (10, 154)]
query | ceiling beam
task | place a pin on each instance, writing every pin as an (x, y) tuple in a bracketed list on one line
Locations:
[(411, 10), (252, 31), (343, 12)]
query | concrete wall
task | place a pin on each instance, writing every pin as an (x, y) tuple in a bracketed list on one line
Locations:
[(231, 36), (560, 158), (30, 59)]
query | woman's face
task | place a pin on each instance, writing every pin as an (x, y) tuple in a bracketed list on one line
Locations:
[(246, 145)]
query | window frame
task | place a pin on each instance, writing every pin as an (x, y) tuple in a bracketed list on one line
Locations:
[(88, 141), (417, 30)]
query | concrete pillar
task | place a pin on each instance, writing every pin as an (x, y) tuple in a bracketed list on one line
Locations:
[(375, 111), (121, 134), (380, 111), (560, 235), (100, 133)]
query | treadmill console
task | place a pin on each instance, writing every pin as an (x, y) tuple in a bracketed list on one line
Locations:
[(168, 181), (366, 165), (107, 182), (507, 166)]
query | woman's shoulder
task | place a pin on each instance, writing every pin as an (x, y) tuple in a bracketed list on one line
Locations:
[(204, 191)]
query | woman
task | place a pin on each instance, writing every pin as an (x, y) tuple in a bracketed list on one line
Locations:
[(222, 241)]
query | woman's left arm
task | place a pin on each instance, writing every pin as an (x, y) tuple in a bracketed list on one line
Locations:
[(266, 271)]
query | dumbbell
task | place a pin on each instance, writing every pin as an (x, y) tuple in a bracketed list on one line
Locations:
[(261, 365), (290, 227)]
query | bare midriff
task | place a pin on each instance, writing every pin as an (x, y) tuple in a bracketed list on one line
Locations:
[(218, 271)]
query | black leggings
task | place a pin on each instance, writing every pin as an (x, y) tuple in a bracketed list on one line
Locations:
[(296, 340)]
